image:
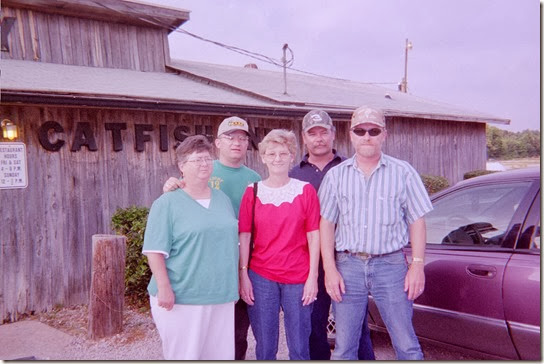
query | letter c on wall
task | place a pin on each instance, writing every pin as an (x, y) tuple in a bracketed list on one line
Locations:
[(43, 136)]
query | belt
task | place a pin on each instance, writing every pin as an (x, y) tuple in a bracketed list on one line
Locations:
[(365, 256)]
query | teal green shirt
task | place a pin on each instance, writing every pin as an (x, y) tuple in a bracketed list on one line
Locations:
[(200, 246), (232, 181)]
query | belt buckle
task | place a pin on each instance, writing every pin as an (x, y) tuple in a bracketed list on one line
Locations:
[(360, 255), (363, 256)]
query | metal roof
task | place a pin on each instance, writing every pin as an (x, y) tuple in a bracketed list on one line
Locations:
[(215, 88), (327, 93), (57, 79)]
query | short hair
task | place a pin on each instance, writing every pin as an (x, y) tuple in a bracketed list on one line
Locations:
[(195, 143), (279, 136)]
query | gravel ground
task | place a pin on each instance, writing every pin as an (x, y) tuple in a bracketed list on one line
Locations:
[(138, 341), (64, 337)]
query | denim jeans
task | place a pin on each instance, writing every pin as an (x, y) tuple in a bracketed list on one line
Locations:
[(383, 277), (319, 345), (264, 317)]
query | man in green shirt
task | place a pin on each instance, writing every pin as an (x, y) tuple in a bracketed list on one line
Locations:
[(231, 176)]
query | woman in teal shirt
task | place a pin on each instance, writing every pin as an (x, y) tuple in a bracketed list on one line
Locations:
[(191, 242)]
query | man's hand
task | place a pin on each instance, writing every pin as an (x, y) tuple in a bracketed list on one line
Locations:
[(173, 183), (414, 283), (334, 283)]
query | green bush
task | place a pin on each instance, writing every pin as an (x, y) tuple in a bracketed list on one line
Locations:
[(131, 223), (433, 184), (476, 173)]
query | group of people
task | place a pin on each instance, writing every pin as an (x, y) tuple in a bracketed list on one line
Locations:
[(228, 250)]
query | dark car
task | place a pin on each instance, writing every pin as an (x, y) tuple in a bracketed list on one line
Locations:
[(482, 267)]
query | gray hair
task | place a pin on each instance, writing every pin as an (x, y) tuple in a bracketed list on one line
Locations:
[(279, 136), (195, 143)]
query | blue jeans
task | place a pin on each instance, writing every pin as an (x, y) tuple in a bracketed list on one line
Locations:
[(319, 345), (383, 277), (264, 317)]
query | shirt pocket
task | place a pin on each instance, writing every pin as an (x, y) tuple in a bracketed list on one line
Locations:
[(390, 210), (346, 208)]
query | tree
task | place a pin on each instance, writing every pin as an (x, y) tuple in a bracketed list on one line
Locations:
[(503, 144)]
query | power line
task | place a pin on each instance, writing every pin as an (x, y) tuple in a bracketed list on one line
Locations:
[(251, 54), (270, 60)]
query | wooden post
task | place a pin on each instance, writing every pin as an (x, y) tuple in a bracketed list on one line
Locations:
[(107, 286)]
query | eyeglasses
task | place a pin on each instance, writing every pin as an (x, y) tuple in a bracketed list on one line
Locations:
[(361, 132), (273, 156), (201, 160), (239, 138)]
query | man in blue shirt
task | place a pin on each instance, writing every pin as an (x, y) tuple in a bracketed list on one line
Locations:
[(318, 134), (372, 205)]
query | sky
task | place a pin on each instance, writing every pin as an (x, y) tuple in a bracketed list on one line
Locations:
[(482, 55)]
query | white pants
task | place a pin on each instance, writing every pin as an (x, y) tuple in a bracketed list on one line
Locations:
[(195, 332)]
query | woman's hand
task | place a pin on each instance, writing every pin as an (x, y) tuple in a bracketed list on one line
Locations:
[(166, 298), (309, 294), (165, 295), (246, 288)]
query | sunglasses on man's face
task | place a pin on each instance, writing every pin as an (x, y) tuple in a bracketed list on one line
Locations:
[(361, 132)]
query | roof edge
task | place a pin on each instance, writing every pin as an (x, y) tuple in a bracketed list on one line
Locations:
[(109, 101), (128, 11)]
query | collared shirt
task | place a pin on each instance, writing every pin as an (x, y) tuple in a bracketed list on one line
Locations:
[(373, 214), (308, 172)]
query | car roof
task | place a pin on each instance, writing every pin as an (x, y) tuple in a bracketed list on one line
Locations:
[(530, 173)]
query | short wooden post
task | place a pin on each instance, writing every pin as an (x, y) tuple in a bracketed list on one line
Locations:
[(107, 286)]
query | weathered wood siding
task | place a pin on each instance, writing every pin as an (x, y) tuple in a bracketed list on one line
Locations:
[(46, 232), (71, 195), (434, 147), (437, 147), (54, 38)]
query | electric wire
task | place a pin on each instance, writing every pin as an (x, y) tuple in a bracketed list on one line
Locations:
[(245, 52)]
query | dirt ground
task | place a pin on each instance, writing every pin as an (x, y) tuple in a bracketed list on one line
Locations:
[(61, 334)]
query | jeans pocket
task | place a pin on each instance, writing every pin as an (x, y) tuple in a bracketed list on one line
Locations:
[(341, 257), (396, 258)]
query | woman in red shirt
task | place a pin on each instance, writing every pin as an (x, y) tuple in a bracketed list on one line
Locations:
[(282, 269)]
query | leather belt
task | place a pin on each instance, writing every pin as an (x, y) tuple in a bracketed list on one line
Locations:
[(365, 256)]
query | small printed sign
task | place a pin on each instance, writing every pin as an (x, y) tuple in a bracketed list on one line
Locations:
[(13, 166)]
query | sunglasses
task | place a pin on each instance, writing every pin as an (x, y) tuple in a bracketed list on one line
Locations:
[(361, 132)]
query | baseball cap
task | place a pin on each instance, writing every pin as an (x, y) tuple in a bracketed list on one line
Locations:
[(232, 123), (316, 118), (367, 114)]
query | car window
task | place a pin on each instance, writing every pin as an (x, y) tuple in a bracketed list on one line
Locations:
[(535, 239), (530, 236), (474, 215)]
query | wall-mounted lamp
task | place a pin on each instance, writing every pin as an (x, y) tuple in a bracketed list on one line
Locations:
[(9, 130)]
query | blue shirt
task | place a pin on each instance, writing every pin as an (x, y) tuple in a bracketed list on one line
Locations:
[(373, 214), (200, 246), (307, 172)]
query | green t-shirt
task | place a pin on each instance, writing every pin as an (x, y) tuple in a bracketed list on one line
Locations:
[(232, 181), (201, 247)]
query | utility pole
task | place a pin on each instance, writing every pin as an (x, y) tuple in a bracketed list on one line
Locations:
[(284, 60), (404, 84)]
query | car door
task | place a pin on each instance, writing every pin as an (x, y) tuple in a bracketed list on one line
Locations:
[(467, 252), (522, 288)]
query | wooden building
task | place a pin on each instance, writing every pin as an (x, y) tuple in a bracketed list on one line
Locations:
[(99, 105)]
